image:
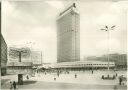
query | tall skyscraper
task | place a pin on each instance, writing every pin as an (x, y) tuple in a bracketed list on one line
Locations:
[(68, 35)]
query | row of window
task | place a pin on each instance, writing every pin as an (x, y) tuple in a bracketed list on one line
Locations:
[(88, 64), (20, 67)]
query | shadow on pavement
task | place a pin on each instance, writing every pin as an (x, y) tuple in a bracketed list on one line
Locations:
[(119, 87), (28, 82), (3, 81)]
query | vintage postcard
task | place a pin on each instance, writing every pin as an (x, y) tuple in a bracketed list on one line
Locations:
[(64, 44)]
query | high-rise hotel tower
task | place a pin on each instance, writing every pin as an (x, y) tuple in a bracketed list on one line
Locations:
[(68, 35)]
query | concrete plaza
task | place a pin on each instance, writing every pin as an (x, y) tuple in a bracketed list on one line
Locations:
[(85, 80)]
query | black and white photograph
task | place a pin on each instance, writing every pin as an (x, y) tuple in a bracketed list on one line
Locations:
[(63, 44)]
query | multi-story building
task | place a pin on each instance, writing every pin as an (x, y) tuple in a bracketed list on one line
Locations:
[(3, 56), (68, 35)]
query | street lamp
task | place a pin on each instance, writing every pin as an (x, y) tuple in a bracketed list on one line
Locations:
[(20, 51), (107, 29)]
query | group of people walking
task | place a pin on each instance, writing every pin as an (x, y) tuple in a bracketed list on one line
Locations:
[(122, 80), (13, 85)]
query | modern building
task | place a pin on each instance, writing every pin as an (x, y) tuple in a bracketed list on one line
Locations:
[(120, 60), (82, 65), (68, 35), (3, 56), (36, 58)]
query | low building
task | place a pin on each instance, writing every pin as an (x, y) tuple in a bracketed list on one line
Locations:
[(3, 55), (120, 60), (81, 65), (36, 58), (19, 68)]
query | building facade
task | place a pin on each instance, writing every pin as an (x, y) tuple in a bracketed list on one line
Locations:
[(68, 35), (3, 55), (119, 59), (82, 65), (36, 58)]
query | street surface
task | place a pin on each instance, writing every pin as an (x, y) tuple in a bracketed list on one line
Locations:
[(85, 80)]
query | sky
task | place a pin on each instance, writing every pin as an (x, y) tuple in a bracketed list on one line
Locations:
[(33, 24)]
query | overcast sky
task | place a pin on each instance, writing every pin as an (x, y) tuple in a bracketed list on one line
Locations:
[(35, 21)]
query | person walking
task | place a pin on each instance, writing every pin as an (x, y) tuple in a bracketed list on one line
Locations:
[(11, 85), (120, 80), (58, 74), (92, 71), (75, 75), (116, 74), (27, 77), (14, 85), (54, 79)]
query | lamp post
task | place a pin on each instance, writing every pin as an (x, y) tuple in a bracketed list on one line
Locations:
[(107, 29), (20, 54), (20, 76), (23, 67)]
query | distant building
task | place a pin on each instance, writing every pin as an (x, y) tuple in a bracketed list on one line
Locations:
[(36, 58), (82, 65), (3, 56), (120, 60), (68, 35), (19, 67), (47, 65)]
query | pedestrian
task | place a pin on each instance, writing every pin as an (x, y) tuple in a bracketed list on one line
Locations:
[(75, 75), (102, 76), (14, 85), (108, 76), (92, 71), (116, 74), (54, 79), (11, 85), (27, 77), (58, 74), (68, 72), (120, 80), (45, 73)]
